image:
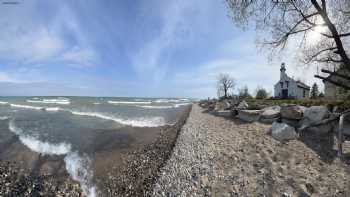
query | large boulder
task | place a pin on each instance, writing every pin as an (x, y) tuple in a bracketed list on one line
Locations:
[(242, 105), (224, 113), (315, 114), (249, 115), (294, 112), (271, 112), (282, 131), (222, 105)]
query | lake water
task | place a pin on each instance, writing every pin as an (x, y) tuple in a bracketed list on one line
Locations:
[(69, 126)]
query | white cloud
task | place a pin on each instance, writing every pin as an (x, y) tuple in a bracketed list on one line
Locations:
[(150, 57), (80, 57), (27, 39)]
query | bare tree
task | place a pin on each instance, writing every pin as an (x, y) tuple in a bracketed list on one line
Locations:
[(225, 83), (297, 21)]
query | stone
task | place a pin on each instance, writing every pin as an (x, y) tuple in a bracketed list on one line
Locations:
[(249, 115), (271, 112), (243, 105), (283, 132), (294, 112), (291, 122), (268, 120), (321, 129), (315, 114), (224, 113), (222, 105)]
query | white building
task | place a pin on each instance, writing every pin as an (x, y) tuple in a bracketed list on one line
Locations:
[(287, 87)]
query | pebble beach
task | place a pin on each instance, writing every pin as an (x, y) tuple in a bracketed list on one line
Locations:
[(214, 156)]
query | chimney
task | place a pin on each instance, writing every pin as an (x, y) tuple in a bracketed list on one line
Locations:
[(283, 70)]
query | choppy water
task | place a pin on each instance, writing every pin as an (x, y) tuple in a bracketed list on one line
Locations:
[(66, 125)]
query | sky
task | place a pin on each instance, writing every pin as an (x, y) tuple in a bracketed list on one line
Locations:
[(142, 48)]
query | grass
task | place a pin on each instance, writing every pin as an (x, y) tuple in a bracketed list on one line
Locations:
[(341, 104)]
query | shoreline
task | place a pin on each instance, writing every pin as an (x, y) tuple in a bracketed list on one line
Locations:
[(141, 167), (216, 155), (124, 162)]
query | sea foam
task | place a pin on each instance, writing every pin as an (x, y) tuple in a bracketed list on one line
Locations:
[(51, 101), (129, 102), (138, 122), (77, 166), (26, 106), (3, 103)]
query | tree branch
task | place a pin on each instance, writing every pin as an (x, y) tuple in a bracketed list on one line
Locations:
[(333, 82), (336, 74)]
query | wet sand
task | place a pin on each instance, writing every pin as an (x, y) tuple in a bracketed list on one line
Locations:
[(124, 161)]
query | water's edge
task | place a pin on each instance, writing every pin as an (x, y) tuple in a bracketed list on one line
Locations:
[(136, 177)]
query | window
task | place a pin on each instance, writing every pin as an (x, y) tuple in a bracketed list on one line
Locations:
[(281, 84), (304, 93), (287, 82)]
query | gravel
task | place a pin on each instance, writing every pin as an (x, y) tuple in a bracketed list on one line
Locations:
[(214, 156)]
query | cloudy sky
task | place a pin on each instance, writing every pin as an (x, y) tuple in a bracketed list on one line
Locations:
[(172, 48)]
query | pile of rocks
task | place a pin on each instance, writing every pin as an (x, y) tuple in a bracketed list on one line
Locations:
[(290, 119)]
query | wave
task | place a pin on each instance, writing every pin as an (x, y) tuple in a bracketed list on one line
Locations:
[(51, 101), (181, 104), (27, 106), (157, 107), (140, 122), (3, 103), (52, 109), (170, 100), (77, 166), (129, 102), (36, 145), (4, 117), (97, 103)]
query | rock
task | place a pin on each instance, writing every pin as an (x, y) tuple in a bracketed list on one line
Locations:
[(268, 120), (271, 112), (282, 131), (224, 113), (309, 188), (315, 114), (222, 105), (249, 115), (243, 105), (291, 122), (294, 112)]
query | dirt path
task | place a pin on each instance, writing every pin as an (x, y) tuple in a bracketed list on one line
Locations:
[(219, 157)]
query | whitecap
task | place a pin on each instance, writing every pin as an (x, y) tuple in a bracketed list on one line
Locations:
[(26, 106), (51, 101), (4, 117), (138, 122), (129, 102), (53, 109), (3, 103), (156, 107), (36, 145), (181, 104), (78, 167)]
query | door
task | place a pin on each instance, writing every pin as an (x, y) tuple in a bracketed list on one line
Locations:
[(285, 93)]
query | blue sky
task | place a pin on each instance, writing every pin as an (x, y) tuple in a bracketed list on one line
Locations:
[(172, 48)]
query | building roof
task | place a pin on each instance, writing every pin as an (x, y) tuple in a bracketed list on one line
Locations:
[(302, 85)]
